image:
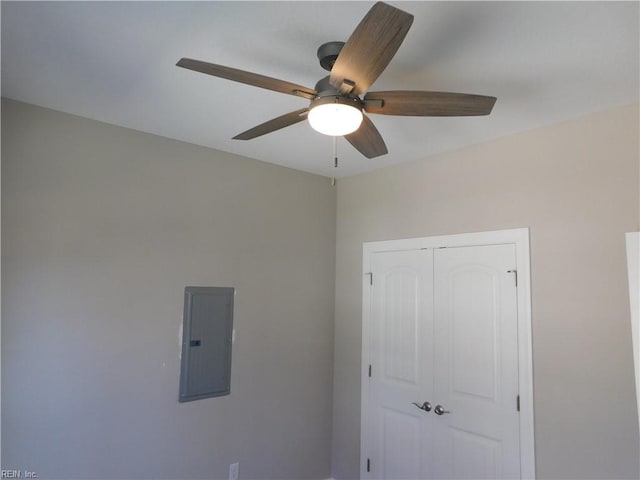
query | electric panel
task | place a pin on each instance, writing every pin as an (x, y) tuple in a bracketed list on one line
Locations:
[(207, 333)]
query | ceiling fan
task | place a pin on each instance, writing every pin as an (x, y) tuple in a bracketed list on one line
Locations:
[(336, 107)]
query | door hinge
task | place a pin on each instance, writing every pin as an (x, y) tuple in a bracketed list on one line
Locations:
[(368, 464), (518, 402), (515, 275), (370, 277), (369, 371)]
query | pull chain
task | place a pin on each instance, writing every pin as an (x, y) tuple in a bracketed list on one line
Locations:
[(335, 159)]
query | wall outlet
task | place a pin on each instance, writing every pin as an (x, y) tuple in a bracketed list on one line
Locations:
[(233, 471)]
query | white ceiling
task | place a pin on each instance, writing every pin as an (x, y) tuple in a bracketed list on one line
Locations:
[(115, 62)]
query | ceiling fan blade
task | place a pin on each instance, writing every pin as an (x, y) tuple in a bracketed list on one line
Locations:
[(427, 104), (367, 140), (370, 48), (247, 77), (282, 121)]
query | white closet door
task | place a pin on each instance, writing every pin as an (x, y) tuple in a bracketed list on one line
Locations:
[(402, 323), (444, 331), (476, 363)]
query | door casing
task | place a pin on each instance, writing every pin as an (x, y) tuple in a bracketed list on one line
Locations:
[(520, 238)]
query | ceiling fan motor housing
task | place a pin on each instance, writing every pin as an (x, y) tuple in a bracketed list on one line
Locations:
[(334, 97), (327, 93)]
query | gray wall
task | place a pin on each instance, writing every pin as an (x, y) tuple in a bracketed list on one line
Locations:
[(102, 229), (575, 185)]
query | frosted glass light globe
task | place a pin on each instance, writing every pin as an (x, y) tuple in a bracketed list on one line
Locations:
[(335, 119)]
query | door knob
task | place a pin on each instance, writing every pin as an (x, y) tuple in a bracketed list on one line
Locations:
[(439, 410), (426, 406)]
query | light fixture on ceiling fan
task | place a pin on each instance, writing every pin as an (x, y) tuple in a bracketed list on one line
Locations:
[(330, 112), (334, 116), (336, 107)]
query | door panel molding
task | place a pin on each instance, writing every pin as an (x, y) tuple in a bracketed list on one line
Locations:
[(518, 237)]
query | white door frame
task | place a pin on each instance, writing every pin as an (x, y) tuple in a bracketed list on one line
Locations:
[(520, 238)]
